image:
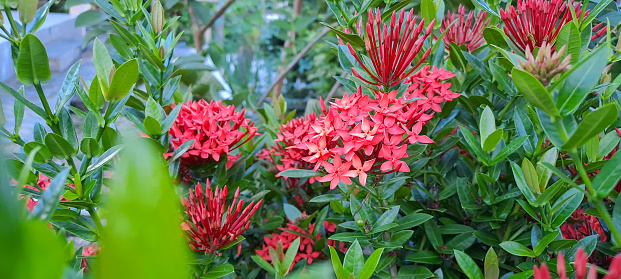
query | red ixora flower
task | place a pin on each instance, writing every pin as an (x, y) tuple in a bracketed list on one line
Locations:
[(361, 135), (580, 266), (42, 185), (580, 225), (307, 242), (88, 251), (464, 31), (537, 21), (217, 129), (212, 225), (390, 50)]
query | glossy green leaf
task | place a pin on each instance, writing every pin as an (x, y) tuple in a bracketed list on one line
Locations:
[(123, 81), (371, 264), (543, 243), (530, 175), (68, 87), (565, 205), (433, 234), (581, 81), (90, 147), (467, 265), (337, 265), (491, 269), (298, 173), (520, 180), (591, 125), (219, 272), (103, 62), (19, 97), (59, 146), (292, 251), (425, 257), (517, 249), (534, 92), (569, 37), (43, 153), (608, 176), (495, 36), (354, 259), (32, 65)]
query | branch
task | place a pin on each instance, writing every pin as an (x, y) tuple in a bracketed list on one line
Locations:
[(218, 14), (335, 87), (295, 60)]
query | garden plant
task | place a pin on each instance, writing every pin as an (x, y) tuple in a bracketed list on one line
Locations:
[(466, 141)]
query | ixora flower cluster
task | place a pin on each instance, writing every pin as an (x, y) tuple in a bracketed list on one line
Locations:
[(463, 30), (212, 225), (361, 135), (215, 128)]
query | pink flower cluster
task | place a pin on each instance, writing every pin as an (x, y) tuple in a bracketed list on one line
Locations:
[(217, 129), (43, 183), (307, 242), (361, 135), (465, 31)]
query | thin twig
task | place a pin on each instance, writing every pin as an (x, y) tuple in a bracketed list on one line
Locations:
[(295, 60), (218, 14), (365, 199), (335, 87)]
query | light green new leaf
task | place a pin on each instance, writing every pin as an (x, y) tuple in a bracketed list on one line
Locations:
[(354, 259), (371, 264), (487, 124), (142, 215), (517, 249), (123, 80), (103, 62), (490, 268), (569, 37), (32, 65), (27, 10), (290, 256), (337, 265)]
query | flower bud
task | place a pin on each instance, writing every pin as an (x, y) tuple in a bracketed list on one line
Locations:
[(548, 64), (157, 17)]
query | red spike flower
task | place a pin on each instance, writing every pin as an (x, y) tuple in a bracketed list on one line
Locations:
[(580, 266), (217, 129), (390, 50), (464, 31), (537, 21), (212, 225)]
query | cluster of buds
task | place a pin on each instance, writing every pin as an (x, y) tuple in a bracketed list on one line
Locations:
[(535, 22), (215, 128), (361, 135), (580, 266), (548, 64), (282, 241), (465, 31), (391, 50), (212, 225)]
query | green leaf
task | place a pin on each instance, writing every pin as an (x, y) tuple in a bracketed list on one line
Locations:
[(591, 125), (588, 244), (387, 218), (354, 259), (534, 92), (90, 147), (425, 257), (467, 265), (564, 206), (472, 143), (517, 249), (89, 105), (20, 98), (428, 10), (371, 264), (220, 271), (491, 269), (46, 206), (59, 146), (152, 126), (608, 176), (152, 109), (327, 198), (157, 17), (27, 10), (411, 220), (543, 243), (496, 37), (103, 62), (457, 57), (487, 124), (43, 153), (298, 173), (549, 193), (581, 81), (354, 40), (492, 140), (67, 129), (483, 5), (143, 203), (68, 87), (90, 18), (123, 81), (530, 175), (508, 150), (521, 183), (337, 265), (292, 251), (569, 36), (433, 234), (291, 211), (32, 65), (544, 173)]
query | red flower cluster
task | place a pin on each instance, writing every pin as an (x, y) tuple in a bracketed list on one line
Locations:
[(391, 50), (463, 32), (537, 21), (282, 155), (212, 225), (599, 30), (217, 129), (361, 134), (307, 242), (581, 225), (42, 183), (580, 266)]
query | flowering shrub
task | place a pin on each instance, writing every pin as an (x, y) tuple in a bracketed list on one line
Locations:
[(456, 143)]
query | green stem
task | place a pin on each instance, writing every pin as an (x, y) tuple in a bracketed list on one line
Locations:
[(507, 107), (592, 196), (100, 130), (46, 105), (96, 219), (9, 16)]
